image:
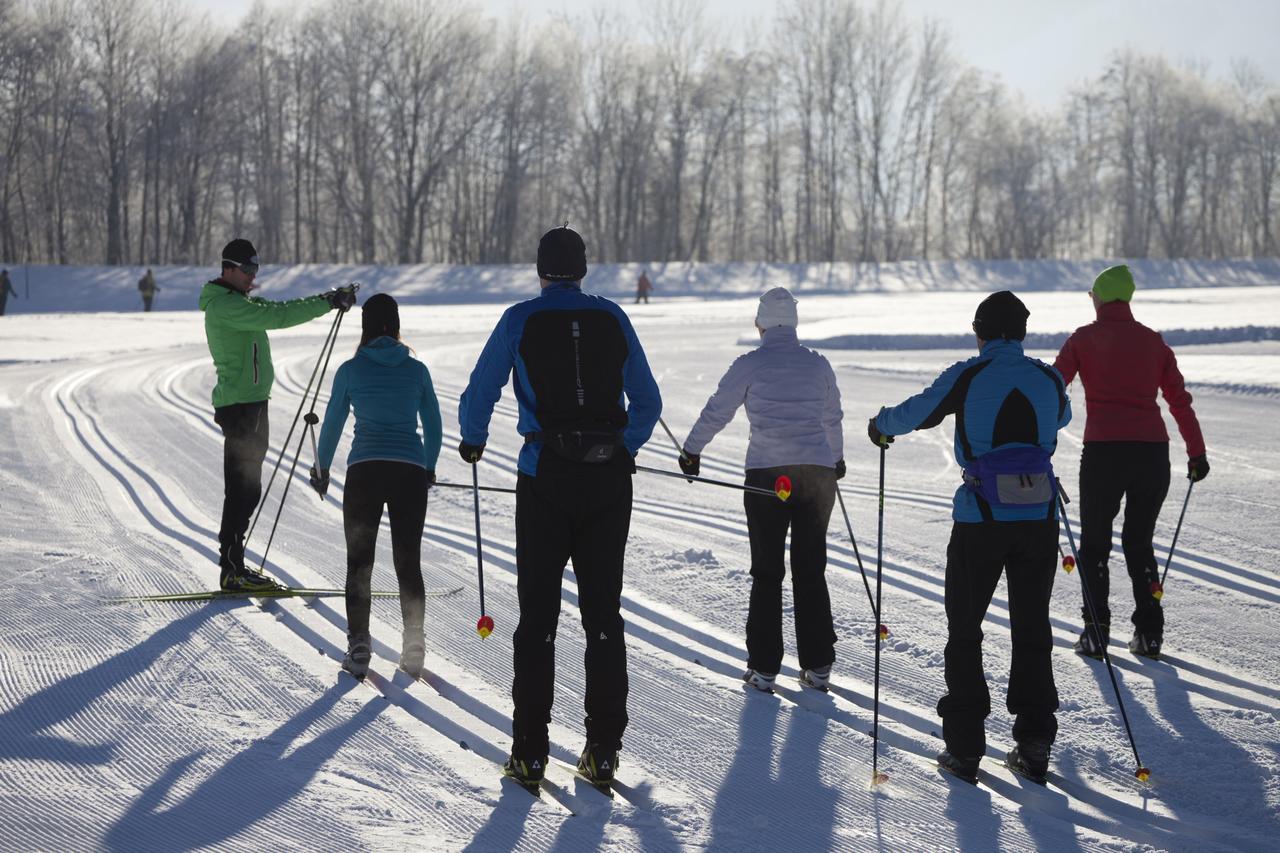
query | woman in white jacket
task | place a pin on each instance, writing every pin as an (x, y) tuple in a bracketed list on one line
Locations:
[(793, 405)]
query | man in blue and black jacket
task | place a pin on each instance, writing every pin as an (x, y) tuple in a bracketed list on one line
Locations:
[(588, 402), (1008, 409)]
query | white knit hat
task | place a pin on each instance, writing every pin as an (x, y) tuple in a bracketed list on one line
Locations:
[(777, 308)]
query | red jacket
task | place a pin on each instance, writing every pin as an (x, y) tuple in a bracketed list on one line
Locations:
[(1122, 364)]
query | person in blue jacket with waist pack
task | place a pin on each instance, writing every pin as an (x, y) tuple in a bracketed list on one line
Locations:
[(588, 403), (389, 465), (1008, 409)]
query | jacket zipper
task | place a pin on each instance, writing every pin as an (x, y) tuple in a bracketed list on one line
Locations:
[(255, 362)]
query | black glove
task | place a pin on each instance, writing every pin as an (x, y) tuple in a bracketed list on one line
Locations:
[(878, 438), (690, 463), (320, 480), (431, 479), (470, 453), (341, 298), (1197, 468), (840, 470)]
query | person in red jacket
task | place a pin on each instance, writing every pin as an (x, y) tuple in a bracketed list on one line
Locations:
[(1122, 364)]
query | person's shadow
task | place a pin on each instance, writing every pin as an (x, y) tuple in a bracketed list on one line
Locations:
[(248, 788), (745, 816), (22, 728)]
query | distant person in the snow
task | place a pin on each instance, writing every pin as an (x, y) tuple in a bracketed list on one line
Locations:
[(6, 290), (390, 392), (1008, 409), (1123, 364), (793, 405), (643, 287), (147, 287), (235, 326), (574, 357)]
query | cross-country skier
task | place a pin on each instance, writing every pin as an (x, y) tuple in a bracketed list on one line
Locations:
[(1008, 409), (235, 326), (1123, 364), (575, 357), (6, 290), (793, 405), (390, 391), (147, 287)]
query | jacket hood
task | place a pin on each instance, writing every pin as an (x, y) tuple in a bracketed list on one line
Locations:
[(385, 350), (211, 291), (779, 336)]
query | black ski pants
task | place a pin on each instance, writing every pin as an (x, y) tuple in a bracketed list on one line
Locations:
[(806, 513), (1138, 472), (579, 512), (976, 556), (402, 488), (245, 435)]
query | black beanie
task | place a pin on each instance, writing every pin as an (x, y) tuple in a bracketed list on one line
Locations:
[(240, 251), (380, 316), (1001, 315), (562, 256)]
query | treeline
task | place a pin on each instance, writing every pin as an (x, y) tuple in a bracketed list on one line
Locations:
[(408, 131)]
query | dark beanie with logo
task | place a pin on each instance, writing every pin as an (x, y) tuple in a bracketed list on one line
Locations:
[(240, 251), (379, 316), (1001, 316), (562, 256)]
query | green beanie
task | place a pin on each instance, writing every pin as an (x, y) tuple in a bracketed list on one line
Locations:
[(1114, 284)]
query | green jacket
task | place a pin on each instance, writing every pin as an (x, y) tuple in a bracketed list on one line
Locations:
[(235, 325)]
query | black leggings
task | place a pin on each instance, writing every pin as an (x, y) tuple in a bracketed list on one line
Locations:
[(245, 430), (1136, 472), (402, 488)]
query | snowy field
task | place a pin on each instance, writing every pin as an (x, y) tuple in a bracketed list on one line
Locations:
[(179, 726)]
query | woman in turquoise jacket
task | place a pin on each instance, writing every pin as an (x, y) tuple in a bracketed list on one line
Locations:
[(389, 464)]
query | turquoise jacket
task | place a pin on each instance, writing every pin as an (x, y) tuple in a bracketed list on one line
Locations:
[(391, 392)]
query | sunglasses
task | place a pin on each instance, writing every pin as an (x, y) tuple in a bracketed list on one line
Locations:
[(246, 268)]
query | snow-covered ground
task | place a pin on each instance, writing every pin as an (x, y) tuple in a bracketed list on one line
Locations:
[(175, 726)]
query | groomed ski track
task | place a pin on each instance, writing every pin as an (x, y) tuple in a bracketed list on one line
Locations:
[(155, 725)]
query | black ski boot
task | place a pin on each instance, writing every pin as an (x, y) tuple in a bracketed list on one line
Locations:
[(597, 765), (526, 772), (1093, 639), (818, 679), (234, 576), (359, 652), (761, 681), (1029, 760), (1145, 646), (961, 768)]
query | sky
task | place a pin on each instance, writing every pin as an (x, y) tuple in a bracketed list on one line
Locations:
[(1042, 48)]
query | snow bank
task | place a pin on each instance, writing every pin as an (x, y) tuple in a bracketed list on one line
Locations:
[(53, 289)]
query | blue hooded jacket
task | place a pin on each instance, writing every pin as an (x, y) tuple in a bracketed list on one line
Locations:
[(390, 391), (611, 348), (1001, 398)]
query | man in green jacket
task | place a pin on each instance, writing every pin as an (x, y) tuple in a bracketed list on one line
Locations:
[(236, 325)]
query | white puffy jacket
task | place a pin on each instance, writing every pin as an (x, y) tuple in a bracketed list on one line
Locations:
[(793, 405)]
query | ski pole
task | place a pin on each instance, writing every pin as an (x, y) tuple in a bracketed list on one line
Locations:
[(311, 420), (440, 485), (881, 628), (1142, 773), (1157, 589), (324, 349), (484, 626), (878, 778), (775, 493), (679, 449)]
